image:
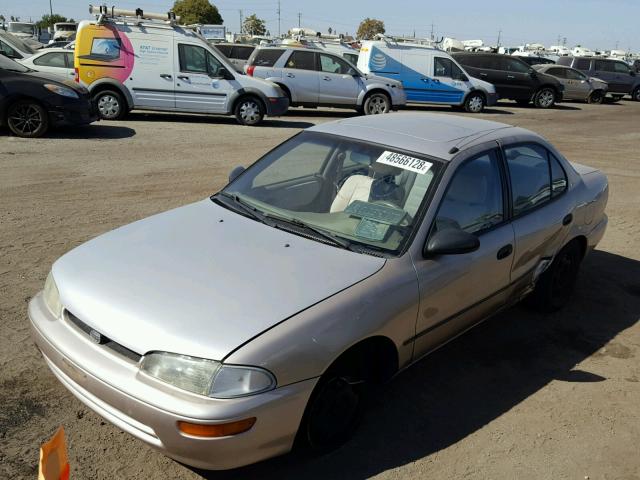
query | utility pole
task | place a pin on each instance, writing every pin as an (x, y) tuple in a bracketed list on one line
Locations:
[(50, 8), (499, 34), (299, 17), (431, 30), (240, 21), (278, 18)]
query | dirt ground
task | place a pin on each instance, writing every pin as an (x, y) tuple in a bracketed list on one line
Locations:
[(522, 396)]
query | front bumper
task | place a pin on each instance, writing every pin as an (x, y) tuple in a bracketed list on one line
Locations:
[(112, 386), (277, 106), (73, 112), (492, 99)]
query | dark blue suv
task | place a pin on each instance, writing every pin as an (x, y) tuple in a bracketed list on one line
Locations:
[(622, 79)]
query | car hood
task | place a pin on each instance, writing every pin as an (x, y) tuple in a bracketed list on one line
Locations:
[(54, 78), (370, 78), (200, 280)]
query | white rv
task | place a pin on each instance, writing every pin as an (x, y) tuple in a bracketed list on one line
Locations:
[(63, 30), (23, 30), (428, 75)]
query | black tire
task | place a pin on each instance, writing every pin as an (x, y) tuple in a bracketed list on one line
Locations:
[(555, 286), (110, 105), (474, 102), (523, 102), (249, 111), (545, 98), (376, 103), (636, 94), (596, 97), (333, 413), (27, 119)]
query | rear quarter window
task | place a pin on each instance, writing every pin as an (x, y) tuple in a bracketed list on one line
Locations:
[(241, 53), (224, 49), (583, 64), (266, 57)]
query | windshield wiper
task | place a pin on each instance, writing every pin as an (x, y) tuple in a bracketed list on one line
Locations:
[(250, 210), (334, 239)]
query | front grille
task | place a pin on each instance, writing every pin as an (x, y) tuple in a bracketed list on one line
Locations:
[(103, 340)]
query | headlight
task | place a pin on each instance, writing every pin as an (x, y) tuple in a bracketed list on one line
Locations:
[(60, 90), (207, 377), (52, 297)]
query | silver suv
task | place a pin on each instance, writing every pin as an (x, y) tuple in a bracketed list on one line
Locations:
[(313, 78)]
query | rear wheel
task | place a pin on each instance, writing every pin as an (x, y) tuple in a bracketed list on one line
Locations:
[(474, 103), (27, 119), (596, 97), (556, 284), (110, 105), (636, 94), (376, 103), (249, 111), (545, 98)]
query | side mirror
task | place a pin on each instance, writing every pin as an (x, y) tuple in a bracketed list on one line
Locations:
[(352, 72), (225, 74), (235, 173), (532, 72), (451, 241)]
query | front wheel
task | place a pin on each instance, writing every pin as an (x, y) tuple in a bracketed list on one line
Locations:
[(555, 286), (27, 119), (110, 105), (596, 97), (545, 98), (636, 94), (376, 104), (249, 111), (474, 102)]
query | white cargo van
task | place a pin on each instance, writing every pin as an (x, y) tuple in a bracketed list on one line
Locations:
[(132, 60), (428, 75)]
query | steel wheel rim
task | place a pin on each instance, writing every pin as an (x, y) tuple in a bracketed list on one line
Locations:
[(475, 103), (334, 411), (26, 119), (546, 98), (377, 105), (250, 112), (108, 106)]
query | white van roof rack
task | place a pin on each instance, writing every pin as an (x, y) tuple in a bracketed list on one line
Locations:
[(104, 14)]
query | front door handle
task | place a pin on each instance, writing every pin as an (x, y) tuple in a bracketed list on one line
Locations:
[(291, 75), (326, 79), (166, 75), (505, 251), (183, 77), (482, 74), (567, 219), (510, 77)]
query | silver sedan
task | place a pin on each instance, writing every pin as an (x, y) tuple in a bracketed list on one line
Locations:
[(226, 331)]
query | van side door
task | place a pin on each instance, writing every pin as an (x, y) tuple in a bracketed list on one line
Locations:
[(200, 85), (151, 81), (415, 74), (449, 82), (339, 83)]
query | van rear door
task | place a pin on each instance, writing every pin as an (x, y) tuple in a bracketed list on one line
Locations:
[(199, 84), (151, 81)]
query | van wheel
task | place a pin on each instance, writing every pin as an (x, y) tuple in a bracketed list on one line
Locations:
[(474, 102), (555, 286), (249, 111), (27, 119), (545, 98), (110, 105), (596, 97), (376, 103), (636, 94)]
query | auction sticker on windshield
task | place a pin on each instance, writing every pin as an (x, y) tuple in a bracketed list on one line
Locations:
[(404, 161)]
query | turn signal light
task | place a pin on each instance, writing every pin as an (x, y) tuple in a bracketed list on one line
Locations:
[(219, 430), (77, 75)]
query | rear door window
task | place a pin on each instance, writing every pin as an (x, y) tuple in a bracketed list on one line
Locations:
[(620, 67), (583, 64), (224, 49), (266, 57), (69, 59), (331, 64), (241, 53), (302, 60), (557, 72), (574, 74), (54, 59), (604, 66), (530, 176), (517, 66)]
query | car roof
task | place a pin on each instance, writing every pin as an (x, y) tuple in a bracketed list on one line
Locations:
[(438, 135)]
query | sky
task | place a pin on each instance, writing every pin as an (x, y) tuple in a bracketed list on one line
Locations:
[(597, 24)]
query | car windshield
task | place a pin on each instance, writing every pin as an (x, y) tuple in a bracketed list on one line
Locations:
[(8, 64), (363, 194), (16, 42)]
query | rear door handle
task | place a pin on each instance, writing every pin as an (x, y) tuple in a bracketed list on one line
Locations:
[(326, 79), (567, 219), (291, 75), (482, 74), (510, 77), (183, 77), (505, 251), (166, 75)]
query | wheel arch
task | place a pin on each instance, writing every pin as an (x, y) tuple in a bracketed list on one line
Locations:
[(111, 84), (244, 93), (7, 102), (375, 89), (376, 356)]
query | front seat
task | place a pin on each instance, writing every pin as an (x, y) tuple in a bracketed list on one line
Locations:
[(379, 185)]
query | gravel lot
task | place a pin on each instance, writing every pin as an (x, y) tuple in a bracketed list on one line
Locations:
[(522, 396)]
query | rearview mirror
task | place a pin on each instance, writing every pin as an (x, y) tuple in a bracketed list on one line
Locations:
[(235, 173), (451, 241)]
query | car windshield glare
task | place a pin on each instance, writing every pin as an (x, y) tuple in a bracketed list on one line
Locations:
[(365, 193)]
